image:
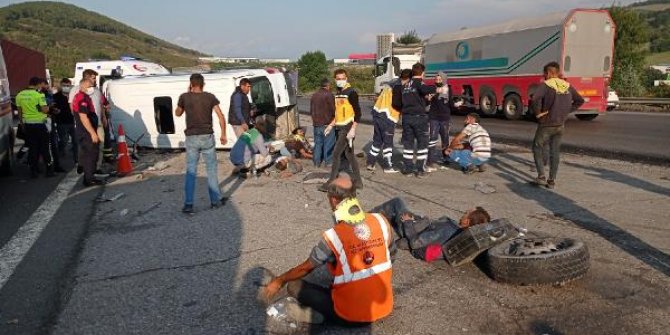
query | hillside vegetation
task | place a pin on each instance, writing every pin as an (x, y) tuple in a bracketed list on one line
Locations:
[(66, 34)]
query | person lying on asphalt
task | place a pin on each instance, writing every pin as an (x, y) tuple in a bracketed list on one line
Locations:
[(423, 236)]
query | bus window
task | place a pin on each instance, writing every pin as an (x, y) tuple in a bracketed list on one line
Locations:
[(163, 115)]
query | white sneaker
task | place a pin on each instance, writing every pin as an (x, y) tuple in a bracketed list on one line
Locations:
[(391, 170), (430, 169)]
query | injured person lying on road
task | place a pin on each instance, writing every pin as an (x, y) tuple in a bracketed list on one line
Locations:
[(424, 237)]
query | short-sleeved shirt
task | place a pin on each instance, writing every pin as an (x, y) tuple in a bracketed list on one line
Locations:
[(97, 98), (479, 140), (30, 101), (83, 104), (322, 254), (198, 108)]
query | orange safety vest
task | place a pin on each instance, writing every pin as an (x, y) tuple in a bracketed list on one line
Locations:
[(361, 290), (344, 111)]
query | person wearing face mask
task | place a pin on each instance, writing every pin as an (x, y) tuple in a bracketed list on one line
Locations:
[(33, 115), (439, 115), (101, 107), (86, 131), (65, 120), (410, 98), (347, 116), (357, 251)]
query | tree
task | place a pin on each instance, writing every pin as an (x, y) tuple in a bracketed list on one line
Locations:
[(409, 37), (632, 38), (312, 67)]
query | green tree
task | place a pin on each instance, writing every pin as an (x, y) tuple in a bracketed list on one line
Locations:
[(312, 67), (409, 37), (631, 47)]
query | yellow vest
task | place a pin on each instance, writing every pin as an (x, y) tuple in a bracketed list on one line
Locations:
[(344, 111), (384, 105)]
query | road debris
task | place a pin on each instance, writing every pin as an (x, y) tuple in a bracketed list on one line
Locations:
[(485, 188), (110, 197)]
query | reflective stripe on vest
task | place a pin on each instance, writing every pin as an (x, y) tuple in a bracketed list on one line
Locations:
[(344, 111), (347, 276)]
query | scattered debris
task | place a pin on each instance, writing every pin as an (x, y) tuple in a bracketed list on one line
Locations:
[(13, 322), (124, 212), (484, 188), (160, 166), (316, 178), (110, 197)]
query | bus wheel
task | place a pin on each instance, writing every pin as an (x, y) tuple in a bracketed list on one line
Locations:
[(512, 107), (487, 103), (586, 117)]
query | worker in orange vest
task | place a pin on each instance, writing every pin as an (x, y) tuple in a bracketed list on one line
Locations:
[(357, 252)]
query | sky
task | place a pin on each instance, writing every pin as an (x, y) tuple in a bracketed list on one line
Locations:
[(289, 28)]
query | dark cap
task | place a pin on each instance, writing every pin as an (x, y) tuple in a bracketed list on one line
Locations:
[(325, 82), (474, 116), (34, 81)]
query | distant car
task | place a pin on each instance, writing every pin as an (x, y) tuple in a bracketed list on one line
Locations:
[(612, 100)]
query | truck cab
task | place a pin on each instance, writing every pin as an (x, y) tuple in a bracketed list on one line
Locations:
[(387, 69)]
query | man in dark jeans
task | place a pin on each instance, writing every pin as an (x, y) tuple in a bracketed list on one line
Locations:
[(423, 236), (239, 114), (322, 109), (439, 115), (410, 99), (347, 116), (65, 120), (552, 102), (87, 134)]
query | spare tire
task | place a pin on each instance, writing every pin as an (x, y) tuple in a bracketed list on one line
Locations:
[(538, 261)]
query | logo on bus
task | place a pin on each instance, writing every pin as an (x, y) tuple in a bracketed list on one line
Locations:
[(462, 50)]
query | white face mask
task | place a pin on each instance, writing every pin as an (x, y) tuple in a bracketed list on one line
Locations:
[(66, 89), (90, 91), (341, 83)]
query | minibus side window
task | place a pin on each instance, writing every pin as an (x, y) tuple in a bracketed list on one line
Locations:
[(163, 115)]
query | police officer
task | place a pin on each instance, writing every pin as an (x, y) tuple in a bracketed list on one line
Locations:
[(33, 113), (410, 97), (86, 131)]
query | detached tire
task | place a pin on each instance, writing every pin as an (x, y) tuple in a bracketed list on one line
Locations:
[(538, 261)]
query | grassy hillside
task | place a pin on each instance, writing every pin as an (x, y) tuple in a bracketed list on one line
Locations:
[(67, 34)]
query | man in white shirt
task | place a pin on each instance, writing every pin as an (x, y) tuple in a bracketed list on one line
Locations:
[(471, 148)]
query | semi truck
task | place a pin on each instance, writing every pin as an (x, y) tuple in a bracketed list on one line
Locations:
[(387, 67), (497, 68)]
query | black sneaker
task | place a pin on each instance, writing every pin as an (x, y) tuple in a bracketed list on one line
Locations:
[(421, 174), (220, 203), (94, 182), (482, 168), (470, 169), (80, 169), (539, 181), (188, 209), (407, 173)]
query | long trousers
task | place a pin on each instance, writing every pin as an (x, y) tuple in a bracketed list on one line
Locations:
[(38, 141), (415, 132), (439, 130), (382, 140), (552, 136), (88, 156), (66, 133), (323, 146), (318, 298), (342, 148)]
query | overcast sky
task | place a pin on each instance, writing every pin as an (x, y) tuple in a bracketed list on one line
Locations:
[(289, 28)]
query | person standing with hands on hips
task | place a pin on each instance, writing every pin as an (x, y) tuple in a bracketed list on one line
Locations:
[(347, 116), (198, 106)]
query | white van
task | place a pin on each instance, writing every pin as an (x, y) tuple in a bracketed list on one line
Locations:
[(6, 122), (119, 68), (145, 105)]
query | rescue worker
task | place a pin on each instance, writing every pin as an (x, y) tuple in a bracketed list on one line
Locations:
[(384, 117), (86, 129), (439, 115), (357, 253), (410, 98), (33, 113), (239, 115), (347, 116)]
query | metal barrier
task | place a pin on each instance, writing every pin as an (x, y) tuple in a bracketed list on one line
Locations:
[(646, 101)]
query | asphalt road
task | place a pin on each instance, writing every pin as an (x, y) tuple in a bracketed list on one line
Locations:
[(617, 134)]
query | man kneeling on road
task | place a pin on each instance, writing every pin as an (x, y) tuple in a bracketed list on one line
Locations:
[(471, 148), (357, 253), (422, 236), (250, 151)]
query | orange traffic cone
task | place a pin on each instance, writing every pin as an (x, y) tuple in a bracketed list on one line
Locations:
[(123, 165)]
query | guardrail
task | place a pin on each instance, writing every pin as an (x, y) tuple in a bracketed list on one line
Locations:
[(646, 101)]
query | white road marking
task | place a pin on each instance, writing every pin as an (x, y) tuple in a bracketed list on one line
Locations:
[(13, 252)]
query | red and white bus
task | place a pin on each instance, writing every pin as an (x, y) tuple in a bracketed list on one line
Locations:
[(497, 68)]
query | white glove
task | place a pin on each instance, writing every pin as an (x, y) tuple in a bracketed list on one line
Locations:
[(328, 130), (351, 134)]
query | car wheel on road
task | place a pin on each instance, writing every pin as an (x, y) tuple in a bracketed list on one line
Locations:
[(512, 107), (538, 261), (586, 117), (487, 103)]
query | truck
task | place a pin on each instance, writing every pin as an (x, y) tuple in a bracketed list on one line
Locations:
[(126, 66), (22, 64), (497, 68), (145, 105), (387, 67)]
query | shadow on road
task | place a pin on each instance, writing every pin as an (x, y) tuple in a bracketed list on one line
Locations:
[(567, 209), (621, 178)]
